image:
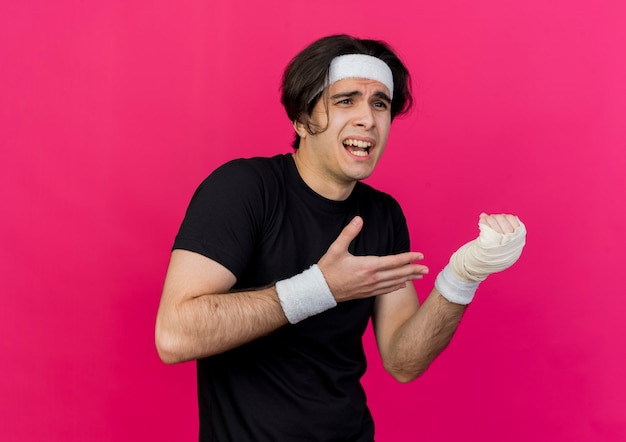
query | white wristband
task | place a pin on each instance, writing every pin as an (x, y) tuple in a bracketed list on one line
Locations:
[(304, 295), (454, 289)]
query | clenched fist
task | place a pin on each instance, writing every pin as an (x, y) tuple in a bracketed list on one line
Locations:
[(498, 246)]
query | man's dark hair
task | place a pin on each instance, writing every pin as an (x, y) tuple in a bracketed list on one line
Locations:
[(305, 76)]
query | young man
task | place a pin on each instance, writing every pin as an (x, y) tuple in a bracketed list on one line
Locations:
[(281, 262)]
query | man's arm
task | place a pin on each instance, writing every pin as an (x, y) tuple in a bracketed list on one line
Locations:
[(198, 317), (410, 337)]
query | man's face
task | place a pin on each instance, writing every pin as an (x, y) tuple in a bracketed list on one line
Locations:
[(359, 119)]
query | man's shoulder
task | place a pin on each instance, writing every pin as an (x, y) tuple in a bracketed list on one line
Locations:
[(242, 172), (253, 166), (276, 161)]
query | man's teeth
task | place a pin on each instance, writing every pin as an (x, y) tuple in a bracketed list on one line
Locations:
[(362, 147), (360, 153), (357, 143)]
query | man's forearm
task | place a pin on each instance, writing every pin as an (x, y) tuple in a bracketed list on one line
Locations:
[(422, 337), (425, 334), (210, 324)]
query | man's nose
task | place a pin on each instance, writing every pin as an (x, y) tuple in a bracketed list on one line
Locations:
[(365, 116)]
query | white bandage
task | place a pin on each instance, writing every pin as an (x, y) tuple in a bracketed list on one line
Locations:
[(304, 295), (491, 252), (359, 66)]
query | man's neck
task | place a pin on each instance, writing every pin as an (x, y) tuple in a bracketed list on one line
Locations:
[(321, 184)]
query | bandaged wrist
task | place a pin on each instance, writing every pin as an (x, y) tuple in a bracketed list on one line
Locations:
[(304, 295), (453, 288)]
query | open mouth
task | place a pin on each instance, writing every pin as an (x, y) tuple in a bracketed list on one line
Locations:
[(358, 148)]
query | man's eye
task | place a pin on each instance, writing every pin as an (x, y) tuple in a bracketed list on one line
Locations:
[(345, 101), (380, 104)]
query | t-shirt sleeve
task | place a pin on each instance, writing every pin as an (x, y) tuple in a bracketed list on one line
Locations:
[(402, 240), (224, 216)]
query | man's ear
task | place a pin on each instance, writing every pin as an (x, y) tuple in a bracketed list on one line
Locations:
[(299, 128)]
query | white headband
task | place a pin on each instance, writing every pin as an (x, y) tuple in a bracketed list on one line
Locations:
[(360, 66)]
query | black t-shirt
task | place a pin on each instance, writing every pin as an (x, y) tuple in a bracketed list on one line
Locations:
[(260, 220)]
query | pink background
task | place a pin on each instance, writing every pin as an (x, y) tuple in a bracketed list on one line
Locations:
[(111, 112)]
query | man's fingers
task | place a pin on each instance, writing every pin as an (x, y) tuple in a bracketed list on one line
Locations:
[(349, 233), (513, 221), (400, 266), (399, 260), (353, 277), (501, 223)]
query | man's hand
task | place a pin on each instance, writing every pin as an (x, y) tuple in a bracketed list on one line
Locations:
[(504, 223), (354, 277), (499, 245)]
